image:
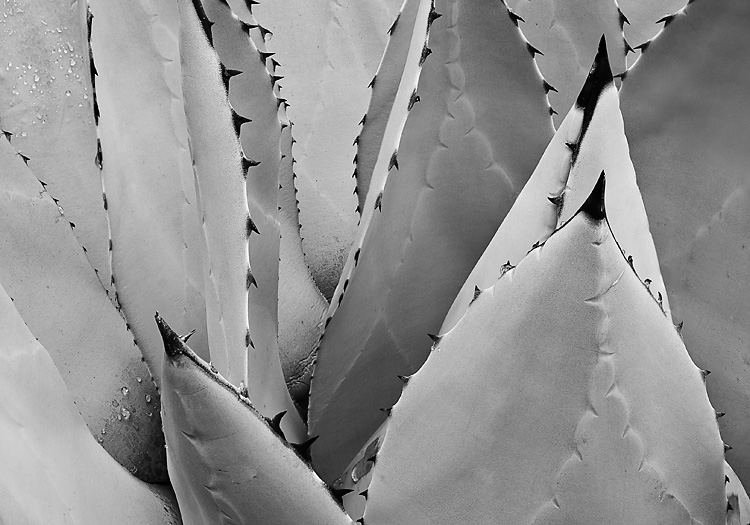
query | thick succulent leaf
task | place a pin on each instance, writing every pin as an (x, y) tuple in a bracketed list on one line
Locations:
[(48, 105), (57, 293), (734, 487), (328, 53), (459, 167), (563, 37), (302, 308), (393, 82), (531, 219), (590, 140), (602, 146), (643, 20), (250, 351), (685, 112), (148, 176), (563, 396), (53, 470), (226, 462)]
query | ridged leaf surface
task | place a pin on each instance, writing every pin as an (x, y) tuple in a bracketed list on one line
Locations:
[(685, 116), (458, 168), (226, 463), (563, 396)]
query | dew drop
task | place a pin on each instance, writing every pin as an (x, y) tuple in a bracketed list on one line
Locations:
[(125, 413), (70, 46), (36, 78), (23, 133), (100, 439), (119, 417), (150, 414), (148, 398), (72, 62), (133, 469), (104, 431), (124, 390), (138, 379), (67, 93)]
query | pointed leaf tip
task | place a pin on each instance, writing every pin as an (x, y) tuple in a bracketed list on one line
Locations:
[(172, 343), (594, 205), (600, 76)]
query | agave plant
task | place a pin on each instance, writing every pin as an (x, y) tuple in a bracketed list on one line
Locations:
[(508, 314)]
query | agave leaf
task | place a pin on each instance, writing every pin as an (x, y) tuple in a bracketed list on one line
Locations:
[(57, 293), (302, 308), (53, 470), (328, 53), (226, 462), (643, 20), (459, 167), (563, 37), (48, 106), (685, 112), (148, 177), (557, 421), (251, 351), (734, 487), (395, 84)]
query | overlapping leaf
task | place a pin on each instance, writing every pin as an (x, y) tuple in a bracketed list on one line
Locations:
[(57, 293), (464, 154), (685, 111), (539, 406), (53, 470), (328, 53), (225, 461)]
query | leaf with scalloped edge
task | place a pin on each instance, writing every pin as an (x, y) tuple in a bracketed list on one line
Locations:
[(243, 320), (302, 308), (459, 166), (57, 293), (53, 470), (328, 53), (157, 252), (564, 395), (48, 106), (685, 109), (590, 140), (563, 37), (226, 461)]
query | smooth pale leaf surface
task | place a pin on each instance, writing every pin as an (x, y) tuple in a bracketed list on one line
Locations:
[(531, 219), (685, 113), (226, 463), (603, 147), (566, 34), (57, 293), (460, 165), (148, 177), (47, 103), (563, 396), (220, 187), (53, 470), (302, 308), (328, 53)]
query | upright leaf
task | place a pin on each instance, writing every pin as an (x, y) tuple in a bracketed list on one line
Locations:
[(685, 112), (48, 105), (53, 471), (563, 396), (468, 145), (148, 177), (328, 53), (250, 347), (57, 293)]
